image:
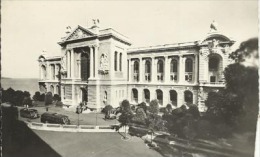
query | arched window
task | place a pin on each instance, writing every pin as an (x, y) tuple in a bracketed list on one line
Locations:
[(135, 95), (147, 95), (188, 65), (136, 67), (115, 59), (173, 97), (52, 89), (58, 89), (174, 66), (188, 97), (160, 68), (44, 72), (120, 62), (213, 63), (85, 66), (52, 71), (159, 96), (147, 70), (147, 66)]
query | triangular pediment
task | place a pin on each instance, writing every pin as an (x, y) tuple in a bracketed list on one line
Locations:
[(79, 33)]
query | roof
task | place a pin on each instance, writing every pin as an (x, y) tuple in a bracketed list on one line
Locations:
[(163, 47), (89, 33)]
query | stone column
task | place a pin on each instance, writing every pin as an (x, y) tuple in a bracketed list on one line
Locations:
[(68, 64), (182, 70), (49, 72), (91, 62), (72, 64), (154, 70), (165, 97), (79, 69), (141, 71), (96, 60), (167, 70), (196, 69), (180, 97), (130, 70)]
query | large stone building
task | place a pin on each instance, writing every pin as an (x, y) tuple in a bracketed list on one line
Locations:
[(99, 67)]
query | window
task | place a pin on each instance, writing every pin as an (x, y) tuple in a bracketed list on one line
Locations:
[(160, 70), (135, 95), (147, 95), (188, 97), (188, 65), (160, 66), (147, 66), (159, 95), (115, 60), (120, 62), (147, 70), (136, 71), (213, 64), (212, 78), (136, 67), (174, 66), (173, 97), (52, 89)]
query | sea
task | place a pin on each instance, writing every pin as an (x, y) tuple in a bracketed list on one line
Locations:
[(23, 84)]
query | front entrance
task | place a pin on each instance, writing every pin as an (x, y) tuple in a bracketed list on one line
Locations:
[(84, 95)]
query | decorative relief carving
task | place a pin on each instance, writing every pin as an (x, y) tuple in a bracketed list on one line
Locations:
[(103, 68), (63, 70), (78, 34)]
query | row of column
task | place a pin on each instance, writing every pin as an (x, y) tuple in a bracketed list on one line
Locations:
[(166, 96), (73, 60), (50, 72), (167, 61)]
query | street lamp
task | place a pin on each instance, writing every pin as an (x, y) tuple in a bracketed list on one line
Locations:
[(78, 111)]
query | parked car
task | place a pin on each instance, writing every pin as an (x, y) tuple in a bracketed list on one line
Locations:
[(55, 118), (29, 113)]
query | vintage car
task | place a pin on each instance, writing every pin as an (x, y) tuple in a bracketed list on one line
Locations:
[(29, 113), (55, 118)]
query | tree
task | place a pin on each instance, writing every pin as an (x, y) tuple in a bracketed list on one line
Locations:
[(126, 115), (7, 95), (237, 104), (139, 117)]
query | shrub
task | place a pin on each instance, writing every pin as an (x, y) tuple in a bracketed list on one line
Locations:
[(48, 98), (27, 101), (37, 96), (154, 107), (42, 97), (56, 97), (143, 106), (59, 104), (106, 109)]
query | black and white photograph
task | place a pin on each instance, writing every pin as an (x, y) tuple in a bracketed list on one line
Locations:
[(129, 78)]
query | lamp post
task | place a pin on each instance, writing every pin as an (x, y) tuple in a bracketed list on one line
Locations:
[(78, 110)]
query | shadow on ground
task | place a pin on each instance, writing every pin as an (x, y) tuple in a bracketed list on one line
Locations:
[(19, 140)]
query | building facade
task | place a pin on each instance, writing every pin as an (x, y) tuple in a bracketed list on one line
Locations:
[(98, 66)]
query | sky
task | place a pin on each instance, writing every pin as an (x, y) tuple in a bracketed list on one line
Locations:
[(31, 27)]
